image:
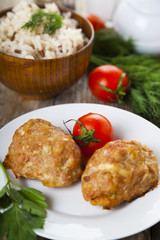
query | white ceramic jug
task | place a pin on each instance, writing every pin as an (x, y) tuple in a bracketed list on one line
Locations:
[(140, 20)]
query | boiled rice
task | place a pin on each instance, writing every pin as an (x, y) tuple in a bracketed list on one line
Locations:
[(37, 44)]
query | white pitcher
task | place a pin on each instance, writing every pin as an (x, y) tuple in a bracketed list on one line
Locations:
[(140, 20)]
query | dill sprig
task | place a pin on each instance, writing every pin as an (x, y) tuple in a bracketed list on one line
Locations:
[(49, 21), (143, 72), (108, 43)]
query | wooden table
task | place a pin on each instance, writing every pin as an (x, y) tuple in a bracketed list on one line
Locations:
[(13, 105)]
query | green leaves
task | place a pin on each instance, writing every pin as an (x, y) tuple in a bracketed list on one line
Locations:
[(143, 72), (18, 224), (108, 43), (23, 211), (34, 195), (49, 21), (14, 195), (5, 201)]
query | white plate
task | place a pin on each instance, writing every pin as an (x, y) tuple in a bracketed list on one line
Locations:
[(70, 217)]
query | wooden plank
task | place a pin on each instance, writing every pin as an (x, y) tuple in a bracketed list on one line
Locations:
[(155, 232)]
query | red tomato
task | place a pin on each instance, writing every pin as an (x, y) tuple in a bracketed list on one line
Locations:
[(96, 21), (110, 77), (103, 132)]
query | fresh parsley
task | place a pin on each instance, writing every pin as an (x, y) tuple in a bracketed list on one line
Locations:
[(143, 72), (21, 211), (49, 21)]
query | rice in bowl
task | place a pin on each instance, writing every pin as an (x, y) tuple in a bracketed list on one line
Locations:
[(37, 44)]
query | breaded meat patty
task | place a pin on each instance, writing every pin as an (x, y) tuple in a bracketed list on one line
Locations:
[(120, 171), (42, 151)]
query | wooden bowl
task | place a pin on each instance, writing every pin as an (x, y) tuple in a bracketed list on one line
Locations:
[(45, 78)]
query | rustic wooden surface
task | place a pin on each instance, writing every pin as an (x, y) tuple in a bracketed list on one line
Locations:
[(13, 105)]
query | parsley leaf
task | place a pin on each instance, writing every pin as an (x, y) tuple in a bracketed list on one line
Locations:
[(49, 21), (23, 211), (34, 195), (5, 201), (18, 224), (32, 208)]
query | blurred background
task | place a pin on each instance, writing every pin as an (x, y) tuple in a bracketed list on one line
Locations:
[(136, 19), (104, 8)]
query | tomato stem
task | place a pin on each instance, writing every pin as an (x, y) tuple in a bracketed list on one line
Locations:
[(120, 91), (85, 138)]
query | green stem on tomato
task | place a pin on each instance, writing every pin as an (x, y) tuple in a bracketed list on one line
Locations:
[(85, 138), (120, 91)]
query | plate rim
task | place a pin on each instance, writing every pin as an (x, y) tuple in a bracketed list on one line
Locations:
[(70, 104)]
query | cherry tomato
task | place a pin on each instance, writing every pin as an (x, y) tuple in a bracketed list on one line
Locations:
[(108, 83), (98, 125), (96, 21)]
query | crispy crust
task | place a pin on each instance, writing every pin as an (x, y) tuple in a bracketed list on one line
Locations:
[(120, 171), (42, 151)]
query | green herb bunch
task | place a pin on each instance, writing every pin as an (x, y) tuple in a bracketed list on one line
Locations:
[(143, 72), (50, 21), (21, 211)]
